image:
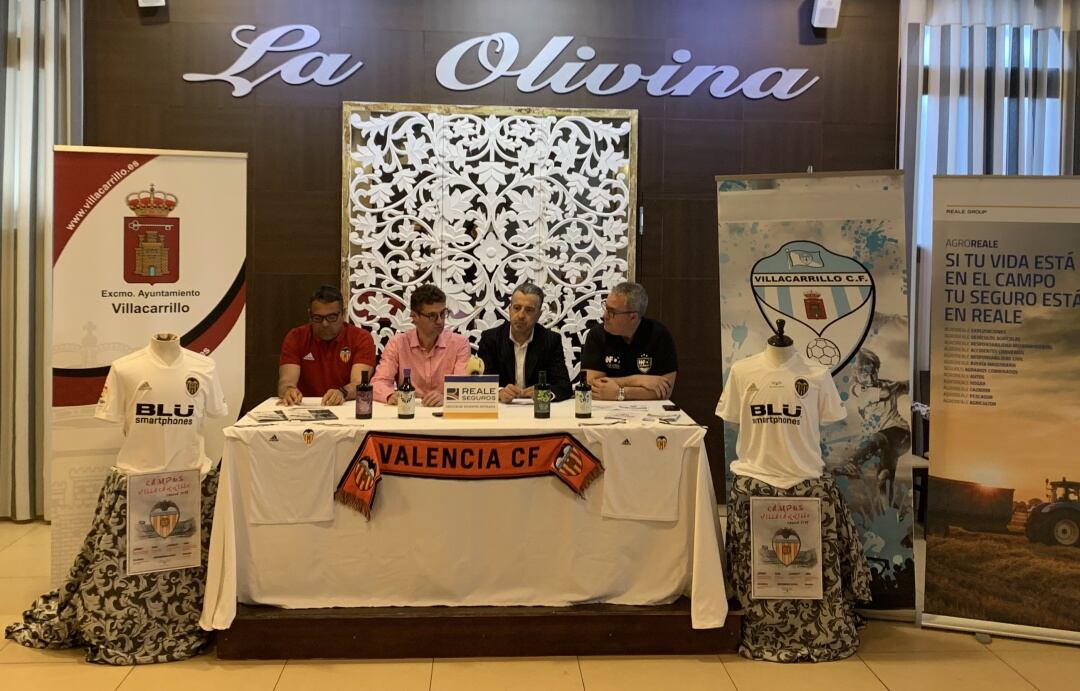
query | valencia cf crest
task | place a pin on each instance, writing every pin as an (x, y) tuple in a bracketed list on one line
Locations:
[(644, 364), (786, 544), (151, 238), (826, 298), (801, 386), (164, 518), (661, 442), (309, 436), (345, 354), (192, 385), (366, 474)]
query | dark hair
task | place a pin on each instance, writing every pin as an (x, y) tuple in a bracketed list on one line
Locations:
[(529, 288), (326, 293), (427, 294)]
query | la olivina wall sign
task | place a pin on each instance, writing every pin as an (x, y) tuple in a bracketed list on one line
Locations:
[(498, 54)]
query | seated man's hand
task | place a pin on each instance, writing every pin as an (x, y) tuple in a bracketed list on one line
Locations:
[(510, 392), (392, 399), (658, 386), (605, 389), (333, 397), (292, 397), (432, 399)]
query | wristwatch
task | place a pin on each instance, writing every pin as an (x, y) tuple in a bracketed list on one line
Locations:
[(621, 396)]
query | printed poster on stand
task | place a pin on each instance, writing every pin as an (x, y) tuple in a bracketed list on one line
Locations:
[(1003, 521), (164, 521), (827, 253), (144, 241)]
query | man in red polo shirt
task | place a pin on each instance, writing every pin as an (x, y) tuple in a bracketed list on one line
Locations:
[(325, 357)]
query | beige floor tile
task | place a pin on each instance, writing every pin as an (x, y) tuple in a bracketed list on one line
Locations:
[(16, 594), (11, 531), (754, 675), (40, 535), (17, 654), (651, 673), (897, 637), (518, 674), (944, 671), (205, 673), (400, 675), (1049, 668), (63, 677), (21, 560)]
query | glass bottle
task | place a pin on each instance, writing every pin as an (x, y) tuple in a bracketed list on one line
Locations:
[(583, 398), (363, 397), (406, 397), (542, 397)]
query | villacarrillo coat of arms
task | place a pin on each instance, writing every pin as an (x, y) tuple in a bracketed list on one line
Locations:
[(151, 238)]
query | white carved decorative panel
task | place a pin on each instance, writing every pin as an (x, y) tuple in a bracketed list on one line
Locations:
[(477, 200)]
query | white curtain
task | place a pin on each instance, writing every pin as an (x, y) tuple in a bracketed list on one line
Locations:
[(36, 113), (988, 88)]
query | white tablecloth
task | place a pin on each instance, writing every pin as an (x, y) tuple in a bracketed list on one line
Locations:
[(527, 541)]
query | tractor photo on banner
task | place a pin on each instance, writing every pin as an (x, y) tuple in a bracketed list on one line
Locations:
[(826, 253)]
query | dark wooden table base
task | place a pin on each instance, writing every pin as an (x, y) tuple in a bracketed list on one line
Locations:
[(417, 632)]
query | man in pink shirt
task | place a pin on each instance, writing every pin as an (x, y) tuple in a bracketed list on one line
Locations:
[(429, 351)]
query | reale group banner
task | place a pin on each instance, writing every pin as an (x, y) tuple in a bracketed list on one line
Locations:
[(826, 253), (144, 242), (1004, 512)]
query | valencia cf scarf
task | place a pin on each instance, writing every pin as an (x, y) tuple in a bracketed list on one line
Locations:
[(463, 458)]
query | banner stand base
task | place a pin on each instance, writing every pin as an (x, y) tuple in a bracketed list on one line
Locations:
[(995, 628)]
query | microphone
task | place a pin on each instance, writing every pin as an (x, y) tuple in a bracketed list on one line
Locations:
[(474, 366)]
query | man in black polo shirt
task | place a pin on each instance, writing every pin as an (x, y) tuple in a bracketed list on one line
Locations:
[(629, 357)]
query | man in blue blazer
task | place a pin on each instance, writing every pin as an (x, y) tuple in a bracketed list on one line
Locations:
[(519, 349)]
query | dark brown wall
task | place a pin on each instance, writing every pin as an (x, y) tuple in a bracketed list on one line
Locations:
[(135, 97)]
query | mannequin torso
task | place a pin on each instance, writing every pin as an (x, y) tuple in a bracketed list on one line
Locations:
[(166, 347), (778, 355)]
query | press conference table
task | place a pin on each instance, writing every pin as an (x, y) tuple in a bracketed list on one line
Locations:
[(524, 541)]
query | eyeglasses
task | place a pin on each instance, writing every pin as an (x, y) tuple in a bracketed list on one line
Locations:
[(611, 314), (434, 316), (328, 318)]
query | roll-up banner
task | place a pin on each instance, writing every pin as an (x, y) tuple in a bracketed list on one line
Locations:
[(144, 242), (826, 253), (1004, 497)]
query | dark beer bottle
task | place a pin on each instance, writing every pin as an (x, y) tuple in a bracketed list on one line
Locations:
[(542, 397), (363, 398), (406, 397), (583, 398)]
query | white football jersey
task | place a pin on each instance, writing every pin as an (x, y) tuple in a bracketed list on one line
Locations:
[(779, 410), (643, 469), (295, 479), (163, 408)]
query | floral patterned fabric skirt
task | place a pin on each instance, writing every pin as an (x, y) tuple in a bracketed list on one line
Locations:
[(119, 619), (800, 630)]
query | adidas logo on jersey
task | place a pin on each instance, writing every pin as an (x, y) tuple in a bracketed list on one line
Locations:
[(626, 442), (273, 437), (309, 356)]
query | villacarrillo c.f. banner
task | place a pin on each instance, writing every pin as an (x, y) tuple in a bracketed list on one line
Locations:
[(463, 458)]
